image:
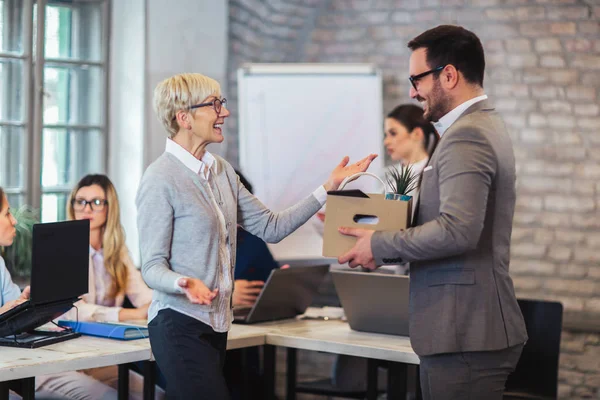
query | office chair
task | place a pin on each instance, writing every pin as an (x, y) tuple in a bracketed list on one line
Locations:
[(536, 374)]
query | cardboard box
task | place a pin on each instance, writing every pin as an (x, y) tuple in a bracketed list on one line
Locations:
[(345, 208)]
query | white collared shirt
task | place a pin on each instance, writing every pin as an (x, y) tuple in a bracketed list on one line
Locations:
[(447, 120)]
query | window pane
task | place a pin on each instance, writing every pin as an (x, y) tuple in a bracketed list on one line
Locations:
[(11, 156), (54, 207), (73, 95), (11, 26), (11, 90), (68, 154), (15, 200), (74, 31)]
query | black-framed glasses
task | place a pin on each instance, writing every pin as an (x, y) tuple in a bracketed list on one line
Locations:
[(95, 204), (415, 78), (216, 103)]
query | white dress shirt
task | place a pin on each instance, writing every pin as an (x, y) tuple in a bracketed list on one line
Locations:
[(447, 120), (220, 320)]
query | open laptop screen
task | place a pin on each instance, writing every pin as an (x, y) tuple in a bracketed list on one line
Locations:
[(60, 261)]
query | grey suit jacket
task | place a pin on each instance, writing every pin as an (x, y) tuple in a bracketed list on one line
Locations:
[(461, 296)]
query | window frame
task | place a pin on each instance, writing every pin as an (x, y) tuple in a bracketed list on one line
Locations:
[(31, 189)]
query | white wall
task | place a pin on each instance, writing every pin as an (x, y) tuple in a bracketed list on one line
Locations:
[(150, 41), (188, 37)]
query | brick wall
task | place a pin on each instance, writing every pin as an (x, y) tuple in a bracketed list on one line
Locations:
[(543, 75)]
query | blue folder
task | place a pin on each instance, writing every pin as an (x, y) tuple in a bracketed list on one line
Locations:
[(107, 330)]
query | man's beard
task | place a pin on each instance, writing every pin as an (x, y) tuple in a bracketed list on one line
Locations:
[(438, 104)]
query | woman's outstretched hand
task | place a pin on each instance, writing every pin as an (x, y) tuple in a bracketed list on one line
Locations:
[(343, 170), (196, 291)]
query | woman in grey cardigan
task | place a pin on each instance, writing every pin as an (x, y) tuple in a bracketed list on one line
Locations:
[(189, 205)]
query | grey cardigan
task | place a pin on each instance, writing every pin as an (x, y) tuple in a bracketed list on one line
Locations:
[(178, 225)]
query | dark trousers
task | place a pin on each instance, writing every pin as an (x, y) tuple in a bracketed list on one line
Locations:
[(468, 376), (191, 356)]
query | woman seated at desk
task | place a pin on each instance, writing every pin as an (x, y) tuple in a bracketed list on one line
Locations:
[(10, 294), (112, 277)]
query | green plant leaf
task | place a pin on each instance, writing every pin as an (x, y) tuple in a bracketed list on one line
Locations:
[(18, 255), (402, 181)]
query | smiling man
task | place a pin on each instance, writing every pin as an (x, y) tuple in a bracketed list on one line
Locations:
[(465, 322)]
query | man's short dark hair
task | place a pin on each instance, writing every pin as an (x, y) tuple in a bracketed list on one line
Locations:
[(450, 44)]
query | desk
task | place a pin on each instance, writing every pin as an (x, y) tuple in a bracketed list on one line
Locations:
[(91, 352), (337, 337)]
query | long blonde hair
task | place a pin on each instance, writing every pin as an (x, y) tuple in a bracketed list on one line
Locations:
[(113, 235)]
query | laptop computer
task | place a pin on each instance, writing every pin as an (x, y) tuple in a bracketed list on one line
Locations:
[(59, 276), (374, 302), (286, 293)]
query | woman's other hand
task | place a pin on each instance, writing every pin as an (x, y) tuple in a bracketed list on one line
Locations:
[(196, 291), (343, 170), (246, 292)]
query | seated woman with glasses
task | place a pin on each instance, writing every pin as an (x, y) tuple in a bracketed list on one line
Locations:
[(112, 278)]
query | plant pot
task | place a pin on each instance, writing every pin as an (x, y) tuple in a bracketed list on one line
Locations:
[(396, 196)]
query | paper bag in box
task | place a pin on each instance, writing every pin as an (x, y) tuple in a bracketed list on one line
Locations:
[(345, 208)]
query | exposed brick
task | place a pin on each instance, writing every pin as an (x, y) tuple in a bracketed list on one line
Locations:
[(538, 120), (565, 286), (571, 237), (579, 45), (518, 45), (350, 34), (587, 110), (545, 92), (581, 93), (543, 236), (561, 121), (593, 305), (500, 14), (589, 28), (563, 203), (568, 13), (591, 171), (526, 283), (559, 253), (530, 13), (548, 45), (556, 106), (572, 271), (401, 17), (572, 344), (588, 123), (531, 267), (535, 29), (529, 250), (563, 28), (525, 202), (587, 256), (594, 272), (553, 61)]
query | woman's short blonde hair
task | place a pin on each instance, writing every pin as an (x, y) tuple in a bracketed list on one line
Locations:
[(180, 92)]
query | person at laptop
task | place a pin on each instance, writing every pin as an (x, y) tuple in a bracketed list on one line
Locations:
[(10, 294), (189, 203), (112, 277)]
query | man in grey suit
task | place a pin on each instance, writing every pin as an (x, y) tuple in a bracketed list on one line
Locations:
[(465, 323)]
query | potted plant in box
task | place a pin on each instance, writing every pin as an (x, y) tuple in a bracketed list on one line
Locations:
[(402, 181)]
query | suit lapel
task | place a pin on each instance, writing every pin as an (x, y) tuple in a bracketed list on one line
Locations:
[(483, 105)]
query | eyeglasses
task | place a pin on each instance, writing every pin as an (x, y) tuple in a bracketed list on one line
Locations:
[(216, 103), (95, 204), (415, 78)]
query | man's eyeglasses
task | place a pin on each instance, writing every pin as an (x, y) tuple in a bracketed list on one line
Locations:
[(216, 103), (95, 204), (415, 78)]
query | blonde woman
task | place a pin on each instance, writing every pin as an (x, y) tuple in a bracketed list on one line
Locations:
[(189, 205), (112, 276)]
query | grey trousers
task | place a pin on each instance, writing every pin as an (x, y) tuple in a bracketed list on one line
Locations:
[(468, 376)]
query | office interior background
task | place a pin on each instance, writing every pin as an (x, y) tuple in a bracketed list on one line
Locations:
[(78, 99)]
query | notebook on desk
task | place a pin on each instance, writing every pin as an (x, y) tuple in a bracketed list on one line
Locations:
[(374, 302), (286, 293), (59, 275), (107, 329)]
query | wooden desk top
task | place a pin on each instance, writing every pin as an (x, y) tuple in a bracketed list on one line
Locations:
[(91, 352), (335, 336)]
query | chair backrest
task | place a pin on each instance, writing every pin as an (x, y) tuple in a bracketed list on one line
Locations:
[(537, 371)]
